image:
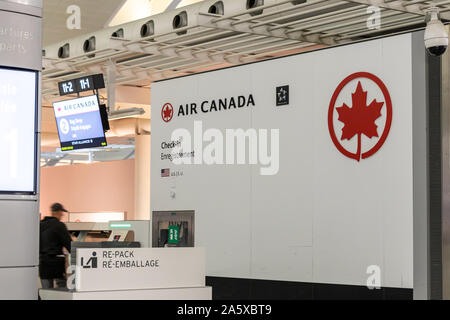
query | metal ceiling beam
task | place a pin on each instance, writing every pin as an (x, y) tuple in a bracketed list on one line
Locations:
[(242, 36), (417, 7)]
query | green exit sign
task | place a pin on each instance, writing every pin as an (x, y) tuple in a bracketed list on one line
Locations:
[(174, 232)]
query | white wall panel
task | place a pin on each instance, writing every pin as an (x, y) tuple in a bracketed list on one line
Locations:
[(19, 236), (282, 205), (363, 210), (224, 224), (19, 283), (19, 214), (324, 217)]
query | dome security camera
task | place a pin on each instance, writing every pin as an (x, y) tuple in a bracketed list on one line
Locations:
[(436, 36)]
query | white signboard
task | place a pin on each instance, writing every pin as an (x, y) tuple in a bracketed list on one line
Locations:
[(20, 39), (17, 130), (323, 191), (139, 268)]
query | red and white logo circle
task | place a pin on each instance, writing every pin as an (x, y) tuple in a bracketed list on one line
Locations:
[(167, 112), (360, 115)]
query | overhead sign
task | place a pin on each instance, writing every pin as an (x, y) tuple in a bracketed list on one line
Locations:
[(79, 123), (20, 38), (82, 84), (18, 110), (141, 268)]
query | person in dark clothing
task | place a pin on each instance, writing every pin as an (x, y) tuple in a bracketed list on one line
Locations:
[(54, 236)]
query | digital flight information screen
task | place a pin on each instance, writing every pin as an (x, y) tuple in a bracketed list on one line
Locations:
[(18, 123), (79, 123)]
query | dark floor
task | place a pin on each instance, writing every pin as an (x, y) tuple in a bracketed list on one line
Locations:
[(250, 289)]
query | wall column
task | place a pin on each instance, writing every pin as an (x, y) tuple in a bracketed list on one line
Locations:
[(142, 177), (20, 47)]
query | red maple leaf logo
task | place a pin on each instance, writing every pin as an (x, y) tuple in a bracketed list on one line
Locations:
[(167, 112), (360, 118)]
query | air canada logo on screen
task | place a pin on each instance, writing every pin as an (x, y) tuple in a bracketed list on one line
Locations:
[(360, 115)]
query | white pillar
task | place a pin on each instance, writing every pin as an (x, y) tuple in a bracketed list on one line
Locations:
[(142, 177), (19, 215)]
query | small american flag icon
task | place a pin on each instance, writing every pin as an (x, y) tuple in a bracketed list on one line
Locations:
[(165, 172)]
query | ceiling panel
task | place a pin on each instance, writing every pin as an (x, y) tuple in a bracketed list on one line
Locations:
[(94, 15)]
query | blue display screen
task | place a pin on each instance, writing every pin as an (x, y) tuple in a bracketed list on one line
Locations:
[(79, 123)]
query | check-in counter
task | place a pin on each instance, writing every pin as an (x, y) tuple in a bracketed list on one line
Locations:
[(137, 274), (116, 231)]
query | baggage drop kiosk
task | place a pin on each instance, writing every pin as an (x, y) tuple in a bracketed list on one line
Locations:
[(330, 197), (113, 261), (173, 229), (130, 273)]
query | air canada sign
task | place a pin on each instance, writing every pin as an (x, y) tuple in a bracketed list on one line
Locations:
[(207, 106), (360, 115)]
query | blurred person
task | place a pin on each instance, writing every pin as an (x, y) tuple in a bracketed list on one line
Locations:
[(54, 236)]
